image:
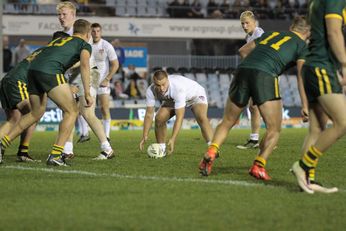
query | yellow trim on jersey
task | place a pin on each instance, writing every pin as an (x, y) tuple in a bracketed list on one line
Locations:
[(344, 15), (58, 79), (320, 80), (21, 92), (337, 16), (326, 80), (276, 87), (25, 91), (62, 78)]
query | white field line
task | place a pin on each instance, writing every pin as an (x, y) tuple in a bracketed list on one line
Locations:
[(138, 177), (148, 178)]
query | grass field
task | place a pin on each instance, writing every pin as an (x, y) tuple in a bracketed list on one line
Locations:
[(134, 192)]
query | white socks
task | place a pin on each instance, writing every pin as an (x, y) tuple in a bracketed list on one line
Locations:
[(83, 126), (254, 136), (106, 146), (107, 126), (68, 148)]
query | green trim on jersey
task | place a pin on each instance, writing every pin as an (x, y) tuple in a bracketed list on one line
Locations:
[(321, 54), (275, 52)]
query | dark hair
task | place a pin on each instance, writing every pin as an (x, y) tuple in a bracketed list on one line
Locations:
[(96, 25), (160, 74)]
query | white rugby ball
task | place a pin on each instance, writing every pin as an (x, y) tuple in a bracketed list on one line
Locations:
[(155, 151)]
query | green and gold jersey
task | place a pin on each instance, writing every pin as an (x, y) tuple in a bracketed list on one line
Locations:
[(320, 52), (59, 55), (20, 71), (275, 52)]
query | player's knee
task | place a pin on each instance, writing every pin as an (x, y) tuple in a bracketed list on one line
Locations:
[(253, 109), (159, 121), (341, 126)]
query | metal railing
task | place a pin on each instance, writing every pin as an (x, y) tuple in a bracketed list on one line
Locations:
[(190, 61)]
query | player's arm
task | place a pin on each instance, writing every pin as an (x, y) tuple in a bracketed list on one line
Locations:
[(179, 116), (85, 74), (246, 49), (113, 67), (148, 120), (301, 89), (336, 41)]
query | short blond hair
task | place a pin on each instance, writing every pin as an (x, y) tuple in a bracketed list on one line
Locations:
[(66, 4), (81, 26), (247, 14), (300, 24)]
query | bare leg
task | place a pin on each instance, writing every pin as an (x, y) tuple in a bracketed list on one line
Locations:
[(334, 106), (230, 117), (161, 118), (200, 112), (255, 118), (94, 123), (62, 96), (38, 105), (271, 112), (106, 115)]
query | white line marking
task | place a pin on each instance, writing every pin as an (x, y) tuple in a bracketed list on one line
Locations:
[(139, 177)]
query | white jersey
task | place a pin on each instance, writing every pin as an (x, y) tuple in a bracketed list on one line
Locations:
[(256, 34), (181, 92), (103, 53)]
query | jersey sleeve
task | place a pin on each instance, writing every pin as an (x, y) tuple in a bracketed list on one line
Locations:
[(304, 52), (259, 39), (334, 9), (258, 32), (87, 47), (111, 52), (150, 98)]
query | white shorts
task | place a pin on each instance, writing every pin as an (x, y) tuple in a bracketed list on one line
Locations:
[(200, 98), (94, 79), (103, 91)]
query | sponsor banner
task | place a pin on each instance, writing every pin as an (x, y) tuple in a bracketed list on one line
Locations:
[(136, 56), (131, 27), (132, 119)]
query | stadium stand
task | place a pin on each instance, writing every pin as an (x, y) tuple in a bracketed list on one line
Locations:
[(212, 72)]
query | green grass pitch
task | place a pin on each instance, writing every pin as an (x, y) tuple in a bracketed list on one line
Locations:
[(134, 192)]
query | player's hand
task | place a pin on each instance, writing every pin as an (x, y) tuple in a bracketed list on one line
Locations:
[(141, 144), (104, 83), (170, 145), (89, 100), (305, 114)]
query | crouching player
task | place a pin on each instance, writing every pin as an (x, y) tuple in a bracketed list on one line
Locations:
[(175, 92)]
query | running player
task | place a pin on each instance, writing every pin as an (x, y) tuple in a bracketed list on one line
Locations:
[(258, 78), (324, 92)]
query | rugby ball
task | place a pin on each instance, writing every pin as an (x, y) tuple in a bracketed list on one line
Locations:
[(155, 151)]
